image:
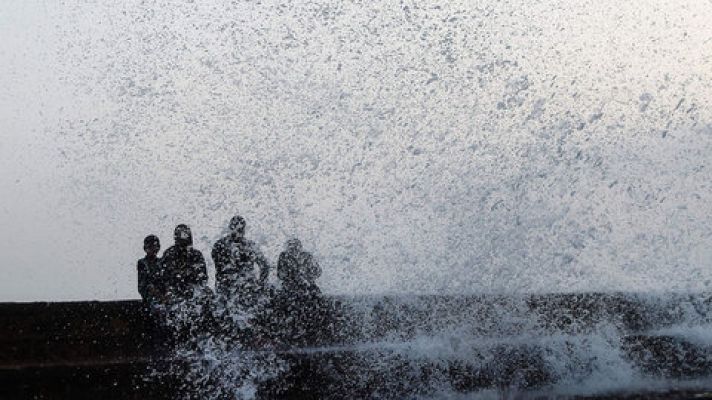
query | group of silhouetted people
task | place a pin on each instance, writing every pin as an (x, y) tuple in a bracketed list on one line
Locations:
[(180, 277)]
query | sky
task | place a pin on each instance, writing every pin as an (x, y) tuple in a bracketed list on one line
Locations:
[(414, 147)]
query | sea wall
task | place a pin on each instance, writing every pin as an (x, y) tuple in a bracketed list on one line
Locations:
[(389, 345)]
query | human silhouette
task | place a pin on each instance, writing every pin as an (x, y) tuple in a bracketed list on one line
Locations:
[(185, 272), (300, 314), (151, 284), (235, 259), (297, 269), (242, 297)]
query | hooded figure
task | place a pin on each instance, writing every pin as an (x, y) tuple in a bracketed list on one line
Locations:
[(235, 259), (297, 269), (300, 316), (184, 267)]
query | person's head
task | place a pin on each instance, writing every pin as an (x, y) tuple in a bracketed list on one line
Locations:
[(293, 245), (237, 227), (151, 245), (182, 236)]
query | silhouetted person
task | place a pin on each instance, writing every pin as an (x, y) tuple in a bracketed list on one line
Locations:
[(297, 269), (300, 315), (151, 284), (241, 295), (187, 311), (185, 272), (152, 287), (235, 259)]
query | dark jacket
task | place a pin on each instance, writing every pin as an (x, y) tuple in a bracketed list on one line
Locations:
[(234, 260), (151, 285), (298, 271), (184, 272)]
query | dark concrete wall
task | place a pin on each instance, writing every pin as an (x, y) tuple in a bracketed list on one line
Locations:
[(43, 334), (103, 349)]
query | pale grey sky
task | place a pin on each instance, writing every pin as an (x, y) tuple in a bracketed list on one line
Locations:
[(450, 146)]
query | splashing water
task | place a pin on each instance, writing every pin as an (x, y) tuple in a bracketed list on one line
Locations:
[(416, 147), (446, 347)]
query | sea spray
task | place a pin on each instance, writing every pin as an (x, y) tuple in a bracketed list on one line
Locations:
[(213, 353), (440, 346)]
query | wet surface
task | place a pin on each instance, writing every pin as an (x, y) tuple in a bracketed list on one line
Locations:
[(387, 347)]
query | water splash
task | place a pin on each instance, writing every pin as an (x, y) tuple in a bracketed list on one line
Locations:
[(406, 143), (417, 147)]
